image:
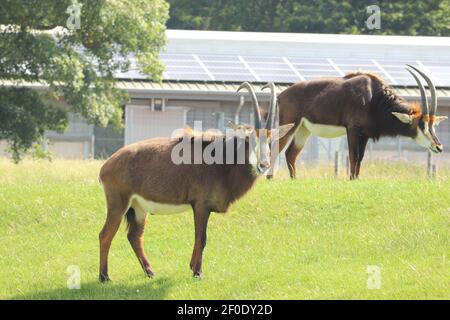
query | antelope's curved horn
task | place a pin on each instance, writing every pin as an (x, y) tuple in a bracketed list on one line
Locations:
[(425, 110), (430, 83), (273, 105), (256, 108)]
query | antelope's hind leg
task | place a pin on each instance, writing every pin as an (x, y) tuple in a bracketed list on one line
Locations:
[(201, 217), (117, 205), (276, 149), (300, 139), (136, 220)]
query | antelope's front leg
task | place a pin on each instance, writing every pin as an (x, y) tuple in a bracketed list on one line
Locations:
[(353, 136), (361, 151), (201, 217)]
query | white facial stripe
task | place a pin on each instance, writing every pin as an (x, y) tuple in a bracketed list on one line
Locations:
[(253, 150), (264, 151), (259, 152), (423, 139), (253, 158), (428, 133), (434, 138)]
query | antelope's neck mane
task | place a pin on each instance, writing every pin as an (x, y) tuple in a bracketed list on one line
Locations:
[(376, 78), (384, 102), (236, 179), (207, 136)]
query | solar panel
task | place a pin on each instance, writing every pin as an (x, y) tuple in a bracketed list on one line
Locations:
[(130, 74), (280, 78), (187, 76), (235, 77), (439, 71), (442, 74), (272, 69), (215, 58), (220, 67)]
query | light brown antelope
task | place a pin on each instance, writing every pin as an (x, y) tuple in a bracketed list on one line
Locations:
[(359, 105), (143, 178)]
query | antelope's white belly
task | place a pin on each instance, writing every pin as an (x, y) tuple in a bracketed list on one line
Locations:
[(323, 130), (155, 207)]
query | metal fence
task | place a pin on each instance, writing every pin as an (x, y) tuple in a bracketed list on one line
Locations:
[(102, 142), (319, 150)]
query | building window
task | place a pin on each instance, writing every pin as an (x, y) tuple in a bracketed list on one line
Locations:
[(158, 104)]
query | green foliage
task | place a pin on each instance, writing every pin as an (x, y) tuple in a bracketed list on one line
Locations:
[(326, 16), (78, 65), (25, 116), (39, 151), (306, 239)]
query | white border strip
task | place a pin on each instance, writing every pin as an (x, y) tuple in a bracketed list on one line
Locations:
[(386, 74), (422, 66), (291, 66), (241, 59), (335, 66), (200, 62)]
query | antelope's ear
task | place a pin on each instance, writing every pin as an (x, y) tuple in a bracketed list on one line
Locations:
[(240, 128), (403, 117), (232, 125), (281, 131), (439, 119)]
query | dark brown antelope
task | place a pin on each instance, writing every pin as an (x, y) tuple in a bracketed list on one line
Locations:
[(146, 178), (360, 105)]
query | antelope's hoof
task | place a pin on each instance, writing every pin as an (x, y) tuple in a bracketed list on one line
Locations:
[(104, 279), (149, 273), (198, 275)]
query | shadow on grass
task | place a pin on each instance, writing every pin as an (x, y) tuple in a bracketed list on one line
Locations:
[(151, 289)]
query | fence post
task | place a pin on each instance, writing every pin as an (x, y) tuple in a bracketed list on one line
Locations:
[(336, 164), (92, 146), (434, 171), (429, 165)]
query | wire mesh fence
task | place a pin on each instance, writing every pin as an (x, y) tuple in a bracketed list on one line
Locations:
[(334, 153)]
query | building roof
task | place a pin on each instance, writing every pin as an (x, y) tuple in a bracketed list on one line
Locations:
[(277, 37), (207, 63), (227, 91), (146, 89), (291, 57)]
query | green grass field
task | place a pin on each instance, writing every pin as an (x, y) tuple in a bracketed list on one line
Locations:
[(312, 238)]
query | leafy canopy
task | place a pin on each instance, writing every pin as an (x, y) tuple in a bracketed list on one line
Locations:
[(36, 45), (398, 17)]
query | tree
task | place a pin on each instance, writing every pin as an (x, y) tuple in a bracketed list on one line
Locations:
[(76, 54), (431, 17)]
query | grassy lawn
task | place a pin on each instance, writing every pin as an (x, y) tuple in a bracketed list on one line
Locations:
[(312, 238)]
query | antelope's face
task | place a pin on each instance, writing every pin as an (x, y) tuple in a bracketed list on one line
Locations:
[(262, 136), (424, 119), (425, 133), (260, 141), (260, 155)]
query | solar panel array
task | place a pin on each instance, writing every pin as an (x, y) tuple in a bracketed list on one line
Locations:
[(200, 67)]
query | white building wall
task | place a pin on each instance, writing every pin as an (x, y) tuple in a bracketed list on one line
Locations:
[(142, 123), (77, 142)]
